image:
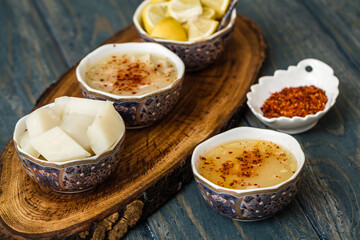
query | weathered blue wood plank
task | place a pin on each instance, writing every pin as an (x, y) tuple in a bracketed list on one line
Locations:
[(330, 191), (143, 231), (29, 59), (341, 21), (80, 26)]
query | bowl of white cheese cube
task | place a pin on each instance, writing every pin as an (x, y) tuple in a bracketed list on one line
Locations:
[(71, 145)]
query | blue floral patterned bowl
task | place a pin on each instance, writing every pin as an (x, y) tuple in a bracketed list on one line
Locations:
[(71, 176), (196, 55), (140, 110), (249, 204)]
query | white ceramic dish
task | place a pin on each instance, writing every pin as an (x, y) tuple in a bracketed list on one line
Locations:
[(139, 110), (249, 204), (305, 73)]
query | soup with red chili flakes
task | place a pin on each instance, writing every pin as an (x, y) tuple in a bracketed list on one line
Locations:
[(247, 164), (131, 74)]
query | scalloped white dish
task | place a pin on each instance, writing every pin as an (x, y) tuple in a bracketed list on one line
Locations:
[(307, 72)]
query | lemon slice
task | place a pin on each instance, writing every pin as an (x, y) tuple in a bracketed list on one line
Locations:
[(157, 1), (220, 6), (186, 26), (169, 28), (152, 14), (201, 28), (182, 10), (208, 13)]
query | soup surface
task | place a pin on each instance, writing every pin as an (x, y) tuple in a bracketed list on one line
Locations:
[(247, 164), (131, 74)]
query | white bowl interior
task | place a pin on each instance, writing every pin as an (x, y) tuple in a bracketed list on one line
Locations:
[(137, 19), (109, 49), (321, 76), (20, 128), (242, 133)]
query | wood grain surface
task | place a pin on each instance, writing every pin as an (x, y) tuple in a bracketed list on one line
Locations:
[(154, 159), (40, 39)]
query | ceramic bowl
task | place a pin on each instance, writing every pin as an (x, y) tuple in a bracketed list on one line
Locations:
[(305, 73), (71, 176), (140, 110), (196, 55), (249, 204)]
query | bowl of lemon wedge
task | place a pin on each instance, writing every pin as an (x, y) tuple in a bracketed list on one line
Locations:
[(190, 28)]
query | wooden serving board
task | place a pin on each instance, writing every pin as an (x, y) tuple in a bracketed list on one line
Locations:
[(155, 161)]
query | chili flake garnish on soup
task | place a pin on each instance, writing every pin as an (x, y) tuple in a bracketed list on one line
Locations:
[(295, 101), (247, 164), (131, 74)]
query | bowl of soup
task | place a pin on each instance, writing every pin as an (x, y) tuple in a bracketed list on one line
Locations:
[(143, 80), (248, 174)]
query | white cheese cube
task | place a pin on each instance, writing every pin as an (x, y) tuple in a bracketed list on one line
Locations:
[(74, 105), (57, 146), (26, 146), (76, 125), (41, 120), (106, 129)]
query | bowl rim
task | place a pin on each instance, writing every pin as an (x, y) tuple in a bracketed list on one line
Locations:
[(270, 78), (141, 31), (74, 162), (221, 138), (151, 48)]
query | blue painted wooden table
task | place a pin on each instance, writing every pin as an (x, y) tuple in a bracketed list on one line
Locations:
[(39, 40)]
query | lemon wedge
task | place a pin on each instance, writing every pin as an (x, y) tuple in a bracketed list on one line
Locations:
[(208, 13), (157, 1), (220, 6), (186, 26), (182, 10), (201, 28), (169, 28), (152, 14)]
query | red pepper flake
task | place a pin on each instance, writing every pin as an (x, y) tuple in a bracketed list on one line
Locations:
[(295, 101)]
